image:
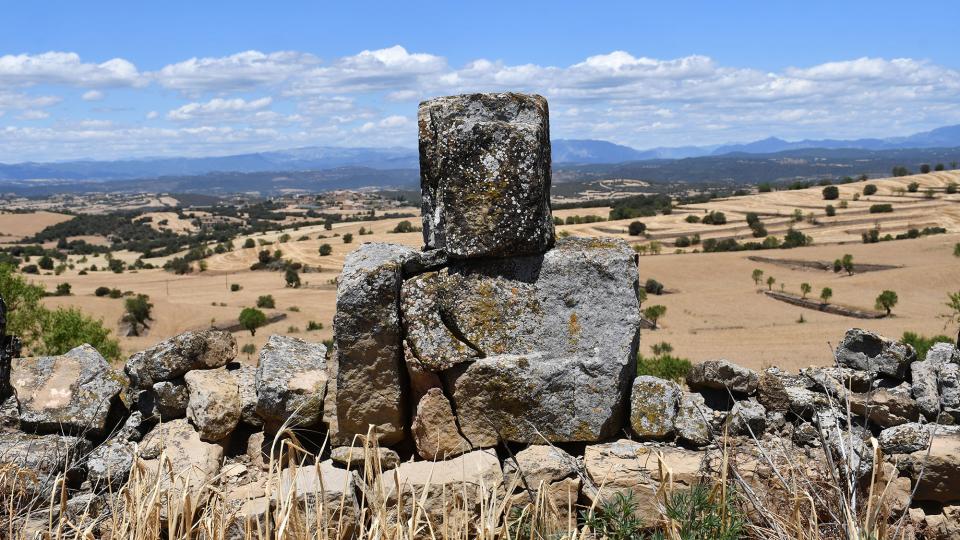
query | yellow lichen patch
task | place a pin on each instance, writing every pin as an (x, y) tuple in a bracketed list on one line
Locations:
[(573, 329)]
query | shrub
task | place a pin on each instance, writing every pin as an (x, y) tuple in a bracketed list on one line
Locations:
[(795, 238), (870, 189), (764, 188), (844, 205), (234, 287), (636, 228), (293, 329), (831, 193), (692, 219), (956, 249), (616, 518), (901, 171), (313, 326), (63, 289), (830, 210), (925, 168), (759, 231), (347, 238), (881, 208), (101, 291), (115, 293), (922, 344), (662, 364), (284, 238), (292, 278), (405, 227), (939, 167), (700, 513), (325, 249), (653, 286), (249, 243), (266, 301), (66, 328), (913, 187), (952, 188), (714, 218), (137, 310), (251, 319), (30, 269), (682, 241)]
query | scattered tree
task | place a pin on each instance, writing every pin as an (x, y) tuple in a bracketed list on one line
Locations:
[(831, 193), (45, 263), (325, 249), (137, 310), (956, 249), (886, 300), (847, 263), (248, 349), (954, 305), (869, 189), (66, 328), (251, 319), (830, 210), (654, 313), (939, 167), (925, 168), (757, 275), (653, 286), (249, 243), (913, 187), (805, 289), (826, 294), (770, 282), (951, 188), (404, 227), (63, 289), (347, 238), (234, 287), (102, 291), (636, 228), (292, 277)]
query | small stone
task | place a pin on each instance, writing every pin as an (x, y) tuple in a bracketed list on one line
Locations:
[(435, 430), (110, 463), (174, 357), (748, 417), (691, 421), (723, 375), (653, 407), (214, 406), (905, 438), (354, 458), (540, 464), (170, 399)]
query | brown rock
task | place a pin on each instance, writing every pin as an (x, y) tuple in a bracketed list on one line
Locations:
[(885, 408), (214, 406), (435, 429)]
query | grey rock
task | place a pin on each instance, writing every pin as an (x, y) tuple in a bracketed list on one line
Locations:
[(110, 463), (214, 405), (485, 174), (936, 471), (806, 434), (691, 423), (925, 389), (170, 399), (291, 382), (948, 380), (748, 416), (174, 357), (540, 464), (247, 383), (905, 438), (782, 392), (354, 458), (188, 464), (10, 413), (367, 340), (875, 354), (324, 493), (837, 380), (553, 338), (72, 392), (419, 262), (653, 407), (722, 375), (45, 455), (943, 353), (885, 408)]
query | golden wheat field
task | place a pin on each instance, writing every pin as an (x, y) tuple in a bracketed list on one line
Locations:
[(713, 306)]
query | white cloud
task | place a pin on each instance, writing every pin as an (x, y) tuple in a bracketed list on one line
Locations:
[(152, 114), (33, 114), (67, 69), (92, 95), (241, 71), (16, 100), (219, 109)]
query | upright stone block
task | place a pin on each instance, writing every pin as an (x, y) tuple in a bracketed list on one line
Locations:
[(368, 342), (485, 175)]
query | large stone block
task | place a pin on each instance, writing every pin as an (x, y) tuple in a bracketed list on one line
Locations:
[(368, 343), (174, 357), (875, 354), (72, 392), (532, 345), (291, 382), (485, 174)]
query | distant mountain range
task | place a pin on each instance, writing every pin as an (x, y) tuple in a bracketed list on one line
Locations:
[(566, 153)]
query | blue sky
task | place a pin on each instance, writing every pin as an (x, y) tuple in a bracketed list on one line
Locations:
[(117, 79)]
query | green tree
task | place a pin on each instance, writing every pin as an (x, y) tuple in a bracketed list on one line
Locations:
[(266, 301), (249, 243), (869, 189), (137, 311), (654, 313), (347, 238), (847, 263), (292, 278), (66, 328), (925, 168), (63, 289), (830, 210), (939, 167), (831, 193), (954, 305), (45, 263), (826, 294), (914, 187), (249, 349), (886, 300), (325, 249), (757, 275), (636, 228), (770, 282), (251, 319), (805, 289), (641, 296), (25, 313), (404, 227), (956, 249)]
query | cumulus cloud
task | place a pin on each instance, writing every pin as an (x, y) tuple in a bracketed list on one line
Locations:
[(66, 68), (241, 71), (92, 95), (219, 109)]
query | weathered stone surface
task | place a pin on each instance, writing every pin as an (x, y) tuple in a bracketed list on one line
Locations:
[(885, 408), (539, 464), (453, 487), (940, 478), (722, 375), (691, 423), (926, 374), (170, 399), (905, 438), (748, 417), (43, 454), (875, 354), (943, 353), (192, 462), (354, 458), (367, 341), (837, 380), (653, 407), (251, 519), (435, 430), (174, 357), (214, 406), (291, 382), (625, 465), (110, 463), (485, 174), (247, 385), (325, 494), (72, 392), (552, 340)]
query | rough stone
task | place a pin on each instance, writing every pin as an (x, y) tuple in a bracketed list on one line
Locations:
[(905, 438), (170, 399), (174, 458), (485, 175), (885, 408), (69, 393), (875, 354), (530, 346), (247, 385), (110, 463), (354, 458), (540, 464), (325, 493), (940, 478), (722, 375), (783, 392), (435, 430), (214, 406), (653, 407), (627, 466), (691, 422), (174, 357), (291, 382), (44, 454), (925, 390), (367, 341), (748, 416)]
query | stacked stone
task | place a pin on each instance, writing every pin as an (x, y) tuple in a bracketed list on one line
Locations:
[(495, 332)]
